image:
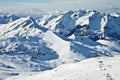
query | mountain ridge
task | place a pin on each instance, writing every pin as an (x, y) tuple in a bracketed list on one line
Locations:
[(55, 39)]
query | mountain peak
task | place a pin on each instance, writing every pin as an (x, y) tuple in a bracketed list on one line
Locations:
[(30, 45), (4, 19)]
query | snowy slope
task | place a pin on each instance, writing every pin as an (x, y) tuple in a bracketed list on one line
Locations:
[(31, 45), (61, 47), (100, 68)]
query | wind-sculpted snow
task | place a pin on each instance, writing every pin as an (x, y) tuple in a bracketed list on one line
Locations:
[(32, 45)]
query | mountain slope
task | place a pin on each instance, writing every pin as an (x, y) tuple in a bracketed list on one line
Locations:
[(29, 45), (101, 68), (98, 25)]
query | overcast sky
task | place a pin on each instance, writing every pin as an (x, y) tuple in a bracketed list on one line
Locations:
[(59, 4)]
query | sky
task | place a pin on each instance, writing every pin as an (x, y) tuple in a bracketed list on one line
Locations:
[(59, 4)]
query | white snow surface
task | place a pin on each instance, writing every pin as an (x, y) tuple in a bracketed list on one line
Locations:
[(100, 68), (65, 41)]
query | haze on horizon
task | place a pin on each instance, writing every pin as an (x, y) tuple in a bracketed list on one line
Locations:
[(59, 4)]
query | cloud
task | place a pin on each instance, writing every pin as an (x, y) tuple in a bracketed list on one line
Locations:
[(66, 4)]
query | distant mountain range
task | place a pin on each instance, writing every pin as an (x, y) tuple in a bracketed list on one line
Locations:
[(45, 42)]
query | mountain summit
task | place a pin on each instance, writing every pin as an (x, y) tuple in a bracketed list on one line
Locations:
[(44, 43)]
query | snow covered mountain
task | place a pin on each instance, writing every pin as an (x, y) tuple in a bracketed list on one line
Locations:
[(92, 24), (100, 68), (39, 44), (6, 18)]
